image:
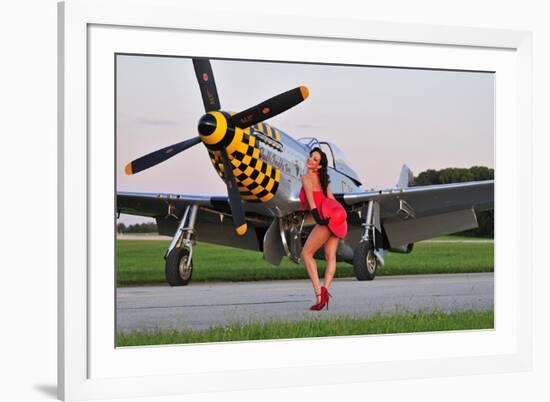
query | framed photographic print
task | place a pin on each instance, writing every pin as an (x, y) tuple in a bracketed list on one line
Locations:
[(287, 168)]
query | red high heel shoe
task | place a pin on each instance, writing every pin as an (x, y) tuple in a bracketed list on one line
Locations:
[(320, 305), (325, 296)]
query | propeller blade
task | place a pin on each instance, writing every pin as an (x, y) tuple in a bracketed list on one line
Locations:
[(271, 107), (154, 158), (239, 220), (205, 78)]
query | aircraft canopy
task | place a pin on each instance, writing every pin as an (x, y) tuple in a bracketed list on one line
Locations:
[(336, 158)]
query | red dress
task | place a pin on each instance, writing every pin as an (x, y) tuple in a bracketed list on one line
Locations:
[(328, 207), (318, 197)]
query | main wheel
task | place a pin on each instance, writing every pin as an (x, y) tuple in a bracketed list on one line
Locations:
[(176, 272), (365, 263)]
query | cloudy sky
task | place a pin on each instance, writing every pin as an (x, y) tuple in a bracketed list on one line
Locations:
[(381, 118)]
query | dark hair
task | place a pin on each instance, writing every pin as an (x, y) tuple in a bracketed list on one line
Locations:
[(323, 173)]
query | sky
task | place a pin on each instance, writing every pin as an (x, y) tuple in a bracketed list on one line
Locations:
[(381, 118)]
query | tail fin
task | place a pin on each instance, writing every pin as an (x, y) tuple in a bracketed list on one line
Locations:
[(405, 177)]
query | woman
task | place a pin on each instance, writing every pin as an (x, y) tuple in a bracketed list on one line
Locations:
[(316, 194)]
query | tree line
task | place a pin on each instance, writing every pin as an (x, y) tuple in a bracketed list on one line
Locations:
[(149, 227), (485, 219)]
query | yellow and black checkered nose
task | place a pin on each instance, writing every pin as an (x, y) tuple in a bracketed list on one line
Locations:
[(256, 179), (216, 130)]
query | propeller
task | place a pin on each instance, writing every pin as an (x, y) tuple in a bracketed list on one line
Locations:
[(154, 158), (217, 129), (207, 85), (239, 219), (270, 108)]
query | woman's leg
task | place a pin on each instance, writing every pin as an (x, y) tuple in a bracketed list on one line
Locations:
[(330, 256), (317, 237)]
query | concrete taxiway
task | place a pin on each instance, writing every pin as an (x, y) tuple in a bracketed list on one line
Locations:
[(202, 305)]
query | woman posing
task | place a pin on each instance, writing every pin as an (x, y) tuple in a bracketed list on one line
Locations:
[(331, 225)]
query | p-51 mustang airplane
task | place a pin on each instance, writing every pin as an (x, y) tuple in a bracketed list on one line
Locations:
[(262, 168)]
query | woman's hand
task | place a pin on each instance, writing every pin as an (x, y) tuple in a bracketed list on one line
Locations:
[(317, 217)]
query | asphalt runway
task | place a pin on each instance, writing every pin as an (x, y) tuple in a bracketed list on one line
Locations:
[(200, 306)]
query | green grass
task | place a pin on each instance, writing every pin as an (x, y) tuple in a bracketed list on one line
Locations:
[(321, 327), (142, 262), (461, 238), (441, 258)]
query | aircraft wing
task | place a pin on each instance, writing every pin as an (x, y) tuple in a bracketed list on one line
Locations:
[(412, 214), (214, 223), (158, 204)]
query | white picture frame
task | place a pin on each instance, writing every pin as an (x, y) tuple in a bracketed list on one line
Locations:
[(88, 367)]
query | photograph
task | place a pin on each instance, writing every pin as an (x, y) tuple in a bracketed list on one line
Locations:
[(266, 199)]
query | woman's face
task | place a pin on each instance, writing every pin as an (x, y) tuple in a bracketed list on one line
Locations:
[(313, 162)]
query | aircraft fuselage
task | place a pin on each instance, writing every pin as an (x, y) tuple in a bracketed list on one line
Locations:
[(268, 165)]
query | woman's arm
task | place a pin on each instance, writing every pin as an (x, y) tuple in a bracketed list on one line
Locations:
[(308, 189), (329, 194)]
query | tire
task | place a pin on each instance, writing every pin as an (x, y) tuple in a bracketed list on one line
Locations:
[(175, 260), (365, 263)]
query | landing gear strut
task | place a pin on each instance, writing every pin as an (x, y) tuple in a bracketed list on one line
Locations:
[(179, 256), (366, 259)]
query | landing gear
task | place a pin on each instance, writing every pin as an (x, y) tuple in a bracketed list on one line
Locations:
[(179, 267), (366, 258), (365, 263), (179, 256)]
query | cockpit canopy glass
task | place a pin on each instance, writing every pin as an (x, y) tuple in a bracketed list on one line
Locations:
[(309, 142), (335, 156)]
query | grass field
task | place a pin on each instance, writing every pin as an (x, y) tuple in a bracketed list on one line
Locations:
[(460, 238), (398, 323), (142, 262)]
